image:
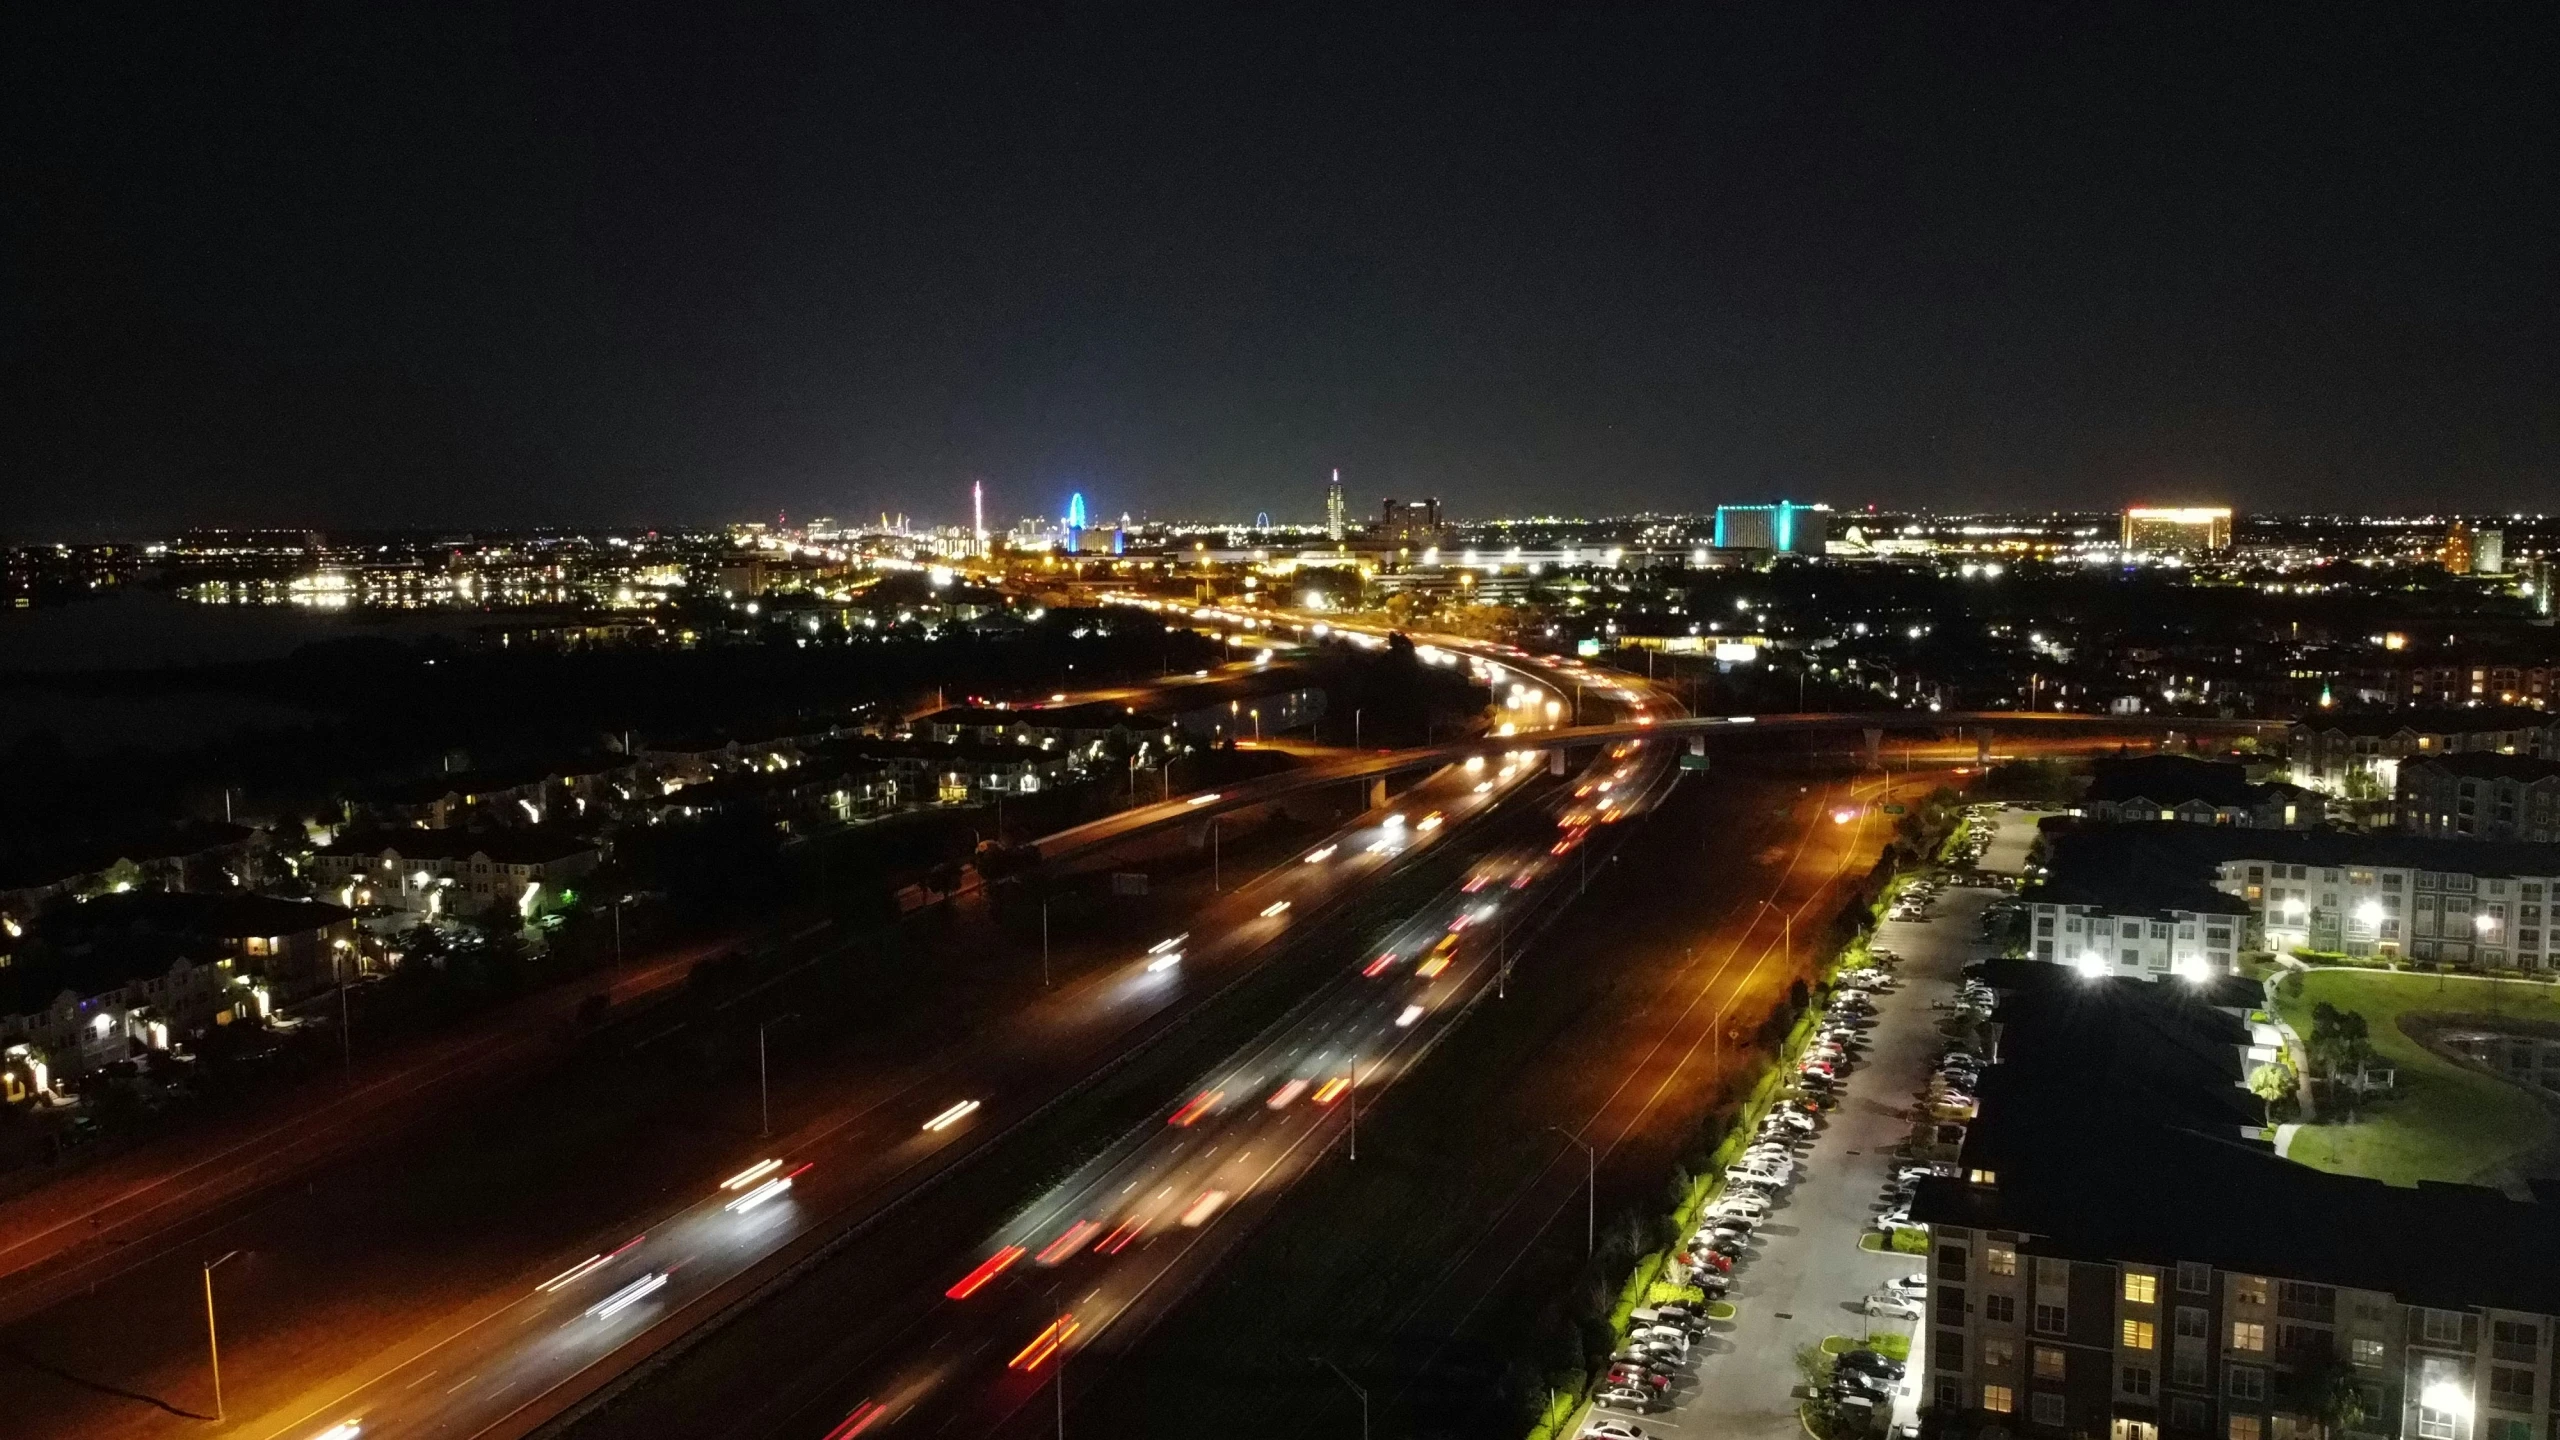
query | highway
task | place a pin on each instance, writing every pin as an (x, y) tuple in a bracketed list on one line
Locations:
[(961, 1346), (501, 1356)]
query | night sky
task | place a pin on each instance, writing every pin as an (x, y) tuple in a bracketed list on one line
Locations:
[(380, 264)]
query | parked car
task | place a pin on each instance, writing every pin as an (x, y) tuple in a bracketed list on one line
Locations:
[(1911, 1286), (1870, 1362), (1606, 1429), (1889, 1306), (1893, 1220)]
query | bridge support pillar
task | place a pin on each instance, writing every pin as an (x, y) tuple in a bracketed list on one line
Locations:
[(1875, 747), (1377, 793)]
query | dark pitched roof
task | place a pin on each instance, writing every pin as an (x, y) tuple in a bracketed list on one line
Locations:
[(2113, 1123), (2167, 853), (2484, 765), (2432, 722), (523, 845), (2173, 780)]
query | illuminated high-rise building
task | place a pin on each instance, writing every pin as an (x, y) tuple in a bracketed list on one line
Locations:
[(1785, 528), (1335, 523), (2176, 530), (2456, 553)]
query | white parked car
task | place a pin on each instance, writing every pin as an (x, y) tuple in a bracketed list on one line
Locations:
[(1613, 1430), (1889, 1306)]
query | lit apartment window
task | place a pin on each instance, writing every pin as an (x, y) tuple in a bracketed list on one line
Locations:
[(2247, 1427), (2436, 1424), (2136, 1334), (2049, 1361), (1998, 1399), (2001, 1260), (2368, 1352), (2141, 1289), (2248, 1290), (2248, 1335)]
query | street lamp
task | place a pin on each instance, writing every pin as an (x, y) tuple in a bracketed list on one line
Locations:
[(764, 1093), (1590, 1190), (1786, 935), (1355, 1389), (212, 1345)]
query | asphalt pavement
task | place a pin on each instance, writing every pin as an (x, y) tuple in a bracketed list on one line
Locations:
[(1803, 1279)]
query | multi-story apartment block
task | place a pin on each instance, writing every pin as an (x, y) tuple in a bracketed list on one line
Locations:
[(2325, 750), (2125, 1256), (2152, 899), (2481, 796)]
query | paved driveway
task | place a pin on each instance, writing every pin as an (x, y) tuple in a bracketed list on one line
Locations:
[(1806, 1273)]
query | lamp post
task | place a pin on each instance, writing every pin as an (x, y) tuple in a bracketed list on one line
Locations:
[(1786, 934), (1355, 1389), (1590, 1189), (212, 1345), (764, 1092), (1044, 944)]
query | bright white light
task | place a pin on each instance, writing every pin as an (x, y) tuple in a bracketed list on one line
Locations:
[(2292, 907), (1275, 909), (751, 1175), (628, 1296), (758, 1195), (1411, 1014), (1393, 822), (1320, 854), (951, 1117), (2090, 963), (2370, 912), (1202, 799), (1162, 946), (343, 1430), (2445, 1396)]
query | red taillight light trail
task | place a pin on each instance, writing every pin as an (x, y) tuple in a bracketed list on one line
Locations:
[(1379, 966), (1118, 1240), (1199, 1106), (864, 1416), (1066, 1243), (976, 1280)]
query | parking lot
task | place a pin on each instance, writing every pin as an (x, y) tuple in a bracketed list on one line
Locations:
[(1801, 1276)]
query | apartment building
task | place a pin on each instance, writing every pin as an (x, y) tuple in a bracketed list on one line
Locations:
[(2325, 750), (2196, 792), (2124, 1255), (2481, 904), (2481, 796), (426, 874)]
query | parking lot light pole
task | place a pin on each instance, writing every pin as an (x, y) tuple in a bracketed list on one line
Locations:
[(1590, 1190), (1355, 1389)]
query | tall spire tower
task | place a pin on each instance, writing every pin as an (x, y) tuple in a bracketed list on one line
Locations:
[(1334, 528), (978, 518)]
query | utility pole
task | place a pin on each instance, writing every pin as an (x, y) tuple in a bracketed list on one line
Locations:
[(1216, 883), (1590, 1190), (1044, 944), (1786, 934), (212, 1345), (1355, 726)]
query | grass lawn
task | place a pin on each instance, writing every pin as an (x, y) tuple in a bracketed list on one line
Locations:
[(1891, 1344), (2449, 1123)]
